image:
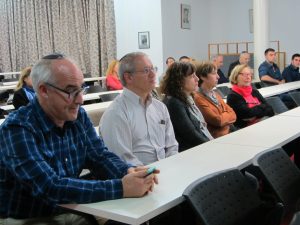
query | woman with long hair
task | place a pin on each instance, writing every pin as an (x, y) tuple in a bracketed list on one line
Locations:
[(24, 92), (178, 85), (112, 78)]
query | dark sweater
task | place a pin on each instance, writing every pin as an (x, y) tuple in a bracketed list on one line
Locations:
[(186, 127), (242, 111)]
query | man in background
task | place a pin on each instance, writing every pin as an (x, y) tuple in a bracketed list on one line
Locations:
[(217, 60), (244, 58), (268, 71), (291, 72)]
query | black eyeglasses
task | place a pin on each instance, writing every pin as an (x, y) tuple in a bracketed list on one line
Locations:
[(147, 70), (54, 55), (71, 95)]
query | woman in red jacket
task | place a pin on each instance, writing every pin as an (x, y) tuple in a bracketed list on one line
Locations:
[(112, 78)]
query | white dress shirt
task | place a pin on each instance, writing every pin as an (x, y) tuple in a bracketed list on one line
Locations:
[(140, 134)]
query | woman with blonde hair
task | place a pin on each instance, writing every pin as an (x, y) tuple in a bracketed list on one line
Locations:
[(112, 78), (24, 92), (248, 104)]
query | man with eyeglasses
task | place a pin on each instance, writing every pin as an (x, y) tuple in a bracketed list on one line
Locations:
[(45, 146), (136, 126)]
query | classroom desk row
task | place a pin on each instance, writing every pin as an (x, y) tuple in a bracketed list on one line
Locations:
[(5, 86), (235, 150)]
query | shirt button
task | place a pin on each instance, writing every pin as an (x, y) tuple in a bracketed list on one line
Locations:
[(66, 159)]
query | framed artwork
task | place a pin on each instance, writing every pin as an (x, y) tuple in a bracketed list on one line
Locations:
[(185, 16), (144, 39)]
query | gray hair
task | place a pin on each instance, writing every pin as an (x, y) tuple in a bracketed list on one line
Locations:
[(127, 64), (42, 71)]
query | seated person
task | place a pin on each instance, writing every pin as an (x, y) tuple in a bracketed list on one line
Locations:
[(218, 60), (189, 125), (218, 115), (183, 59), (244, 58), (46, 144), (24, 92), (291, 72), (136, 126), (268, 71), (112, 78), (248, 104)]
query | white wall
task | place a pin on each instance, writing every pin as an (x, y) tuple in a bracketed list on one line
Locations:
[(191, 42), (211, 21), (133, 16)]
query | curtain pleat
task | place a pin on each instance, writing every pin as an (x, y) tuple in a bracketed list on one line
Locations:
[(82, 29)]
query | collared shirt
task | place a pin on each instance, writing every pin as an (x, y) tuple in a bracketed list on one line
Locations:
[(40, 164), (269, 69), (291, 73), (138, 133)]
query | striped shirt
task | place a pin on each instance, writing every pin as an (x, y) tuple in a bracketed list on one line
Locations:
[(40, 164)]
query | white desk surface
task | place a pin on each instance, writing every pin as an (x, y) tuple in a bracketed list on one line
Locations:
[(173, 179), (10, 73), (291, 112), (94, 78), (270, 133), (7, 107), (96, 106), (7, 87), (94, 96), (279, 89)]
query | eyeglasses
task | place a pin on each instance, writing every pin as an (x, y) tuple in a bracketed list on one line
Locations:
[(246, 74), (147, 70), (54, 55), (71, 95)]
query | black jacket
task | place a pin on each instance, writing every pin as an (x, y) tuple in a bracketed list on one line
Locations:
[(242, 111), (20, 98), (186, 127)]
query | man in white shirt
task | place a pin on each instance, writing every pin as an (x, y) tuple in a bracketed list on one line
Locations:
[(136, 126)]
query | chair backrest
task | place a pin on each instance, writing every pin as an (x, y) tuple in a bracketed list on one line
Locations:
[(296, 219), (95, 89), (282, 175), (277, 105), (224, 90), (225, 198), (108, 97), (296, 97)]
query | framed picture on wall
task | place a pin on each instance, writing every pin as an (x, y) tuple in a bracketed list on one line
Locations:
[(144, 39), (185, 16)]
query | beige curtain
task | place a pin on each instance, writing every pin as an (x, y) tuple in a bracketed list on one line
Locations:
[(82, 29)]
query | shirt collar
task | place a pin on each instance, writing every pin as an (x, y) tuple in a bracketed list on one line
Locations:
[(134, 98)]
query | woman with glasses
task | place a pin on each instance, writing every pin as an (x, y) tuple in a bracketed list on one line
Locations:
[(178, 85), (112, 78), (218, 115), (248, 104), (24, 92)]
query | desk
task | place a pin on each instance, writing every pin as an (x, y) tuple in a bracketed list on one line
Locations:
[(96, 106), (270, 133), (94, 96), (7, 107), (197, 162), (88, 79), (7, 87), (279, 89)]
